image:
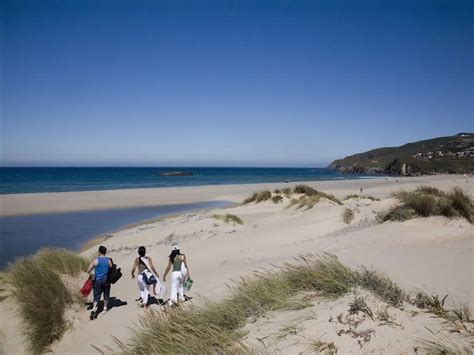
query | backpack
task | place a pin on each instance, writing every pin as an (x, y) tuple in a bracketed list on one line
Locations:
[(114, 274)]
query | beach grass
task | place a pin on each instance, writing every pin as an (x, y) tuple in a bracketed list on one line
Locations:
[(42, 298), (312, 196), (277, 199), (61, 261), (214, 327), (381, 286), (348, 216), (427, 201), (325, 348), (356, 196), (41, 294), (258, 197), (229, 218), (443, 347)]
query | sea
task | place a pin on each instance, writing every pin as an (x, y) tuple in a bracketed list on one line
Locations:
[(33, 180), (25, 234)]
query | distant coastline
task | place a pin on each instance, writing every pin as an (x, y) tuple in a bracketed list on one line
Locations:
[(63, 179)]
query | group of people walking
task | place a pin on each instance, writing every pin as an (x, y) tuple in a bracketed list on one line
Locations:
[(147, 278)]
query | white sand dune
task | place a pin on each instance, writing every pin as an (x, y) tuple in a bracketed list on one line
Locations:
[(434, 255)]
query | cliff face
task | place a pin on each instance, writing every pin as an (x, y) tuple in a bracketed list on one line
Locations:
[(454, 154)]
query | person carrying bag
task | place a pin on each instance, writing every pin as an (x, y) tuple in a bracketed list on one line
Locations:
[(147, 276)]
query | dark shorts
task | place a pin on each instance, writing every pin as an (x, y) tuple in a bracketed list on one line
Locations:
[(101, 286)]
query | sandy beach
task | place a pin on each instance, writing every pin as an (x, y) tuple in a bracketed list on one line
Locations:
[(21, 204), (433, 255)]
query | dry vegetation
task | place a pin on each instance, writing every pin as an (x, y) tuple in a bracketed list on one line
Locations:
[(427, 201), (229, 218), (41, 294)]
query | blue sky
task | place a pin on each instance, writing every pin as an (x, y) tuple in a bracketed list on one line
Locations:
[(233, 83)]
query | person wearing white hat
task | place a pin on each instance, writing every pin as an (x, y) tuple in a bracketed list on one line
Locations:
[(179, 274)]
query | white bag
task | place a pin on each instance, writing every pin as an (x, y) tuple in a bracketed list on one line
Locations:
[(160, 289)]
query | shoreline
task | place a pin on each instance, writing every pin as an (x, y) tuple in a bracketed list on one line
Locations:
[(95, 240), (56, 202)]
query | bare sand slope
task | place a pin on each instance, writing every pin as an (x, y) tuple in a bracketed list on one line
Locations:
[(15, 204), (434, 255)]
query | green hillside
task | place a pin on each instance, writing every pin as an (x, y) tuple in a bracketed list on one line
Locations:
[(453, 155)]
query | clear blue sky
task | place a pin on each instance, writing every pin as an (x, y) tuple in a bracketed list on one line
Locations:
[(236, 83)]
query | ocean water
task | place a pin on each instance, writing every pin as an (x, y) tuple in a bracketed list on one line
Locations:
[(24, 235), (28, 180)]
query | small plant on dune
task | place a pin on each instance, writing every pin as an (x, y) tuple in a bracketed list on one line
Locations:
[(359, 305), (348, 216), (229, 218), (428, 201), (381, 286), (277, 191), (42, 298), (250, 199), (304, 189), (460, 314), (324, 348), (286, 191), (258, 197), (312, 196), (324, 274), (277, 199), (432, 304), (371, 198)]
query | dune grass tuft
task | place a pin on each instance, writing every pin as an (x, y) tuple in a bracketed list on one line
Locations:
[(428, 201), (381, 286), (258, 197), (61, 261), (312, 196), (324, 348), (444, 347), (348, 216), (277, 199), (351, 196), (41, 294), (229, 218), (42, 298)]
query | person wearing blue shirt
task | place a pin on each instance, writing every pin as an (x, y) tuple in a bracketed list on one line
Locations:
[(101, 266)]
